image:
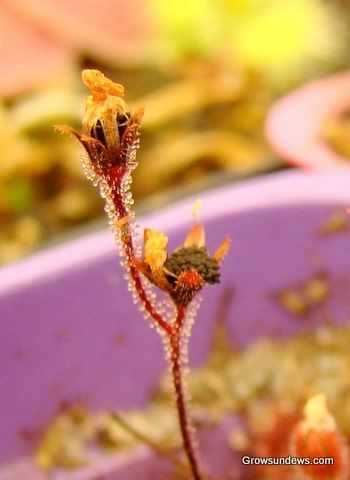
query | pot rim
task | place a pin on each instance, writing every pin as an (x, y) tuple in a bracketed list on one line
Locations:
[(294, 124), (268, 191)]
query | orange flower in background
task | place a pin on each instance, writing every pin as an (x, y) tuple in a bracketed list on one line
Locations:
[(40, 39), (184, 273), (317, 437)]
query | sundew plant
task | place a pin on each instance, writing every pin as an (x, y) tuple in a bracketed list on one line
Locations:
[(164, 284)]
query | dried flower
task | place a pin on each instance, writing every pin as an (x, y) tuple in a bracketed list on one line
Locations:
[(110, 130), (186, 270)]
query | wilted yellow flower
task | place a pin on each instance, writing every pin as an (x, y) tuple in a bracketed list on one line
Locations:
[(186, 270), (110, 130)]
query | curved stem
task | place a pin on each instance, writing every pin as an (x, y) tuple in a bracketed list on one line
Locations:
[(135, 274), (180, 396)]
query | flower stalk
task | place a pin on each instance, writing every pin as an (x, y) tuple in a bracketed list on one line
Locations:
[(110, 139), (180, 395)]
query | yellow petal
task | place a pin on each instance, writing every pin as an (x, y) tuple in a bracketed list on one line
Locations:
[(222, 250), (196, 209), (317, 416), (98, 83), (196, 236), (155, 242), (155, 256)]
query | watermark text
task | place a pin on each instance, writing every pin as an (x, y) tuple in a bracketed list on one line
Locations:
[(289, 460)]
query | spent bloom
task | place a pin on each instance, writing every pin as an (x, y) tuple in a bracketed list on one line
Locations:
[(183, 273), (110, 130)]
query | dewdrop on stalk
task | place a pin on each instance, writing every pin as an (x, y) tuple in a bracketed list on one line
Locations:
[(317, 437)]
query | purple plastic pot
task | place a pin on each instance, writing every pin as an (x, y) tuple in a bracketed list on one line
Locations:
[(70, 332)]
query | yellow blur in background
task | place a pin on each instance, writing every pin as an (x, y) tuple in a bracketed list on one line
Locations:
[(207, 71)]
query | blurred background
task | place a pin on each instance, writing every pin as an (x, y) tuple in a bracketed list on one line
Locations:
[(207, 71)]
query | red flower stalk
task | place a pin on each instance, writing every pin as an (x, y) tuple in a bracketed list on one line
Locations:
[(110, 137)]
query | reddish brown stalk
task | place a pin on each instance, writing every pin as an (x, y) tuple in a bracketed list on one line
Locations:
[(180, 395), (134, 272), (135, 275)]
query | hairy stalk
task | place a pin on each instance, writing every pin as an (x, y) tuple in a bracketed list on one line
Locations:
[(180, 395), (138, 284), (123, 211)]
